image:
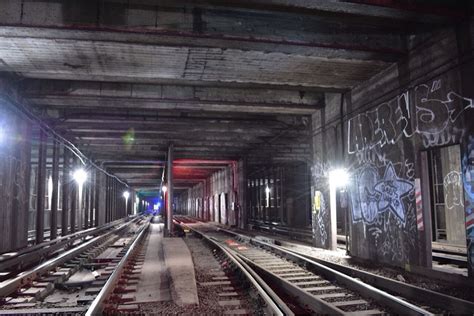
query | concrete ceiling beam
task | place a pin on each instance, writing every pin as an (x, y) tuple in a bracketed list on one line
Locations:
[(96, 60)]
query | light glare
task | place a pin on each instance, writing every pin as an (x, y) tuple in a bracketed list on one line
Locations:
[(126, 195), (338, 178), (164, 189)]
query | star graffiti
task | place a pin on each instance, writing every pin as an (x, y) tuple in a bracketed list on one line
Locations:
[(391, 190)]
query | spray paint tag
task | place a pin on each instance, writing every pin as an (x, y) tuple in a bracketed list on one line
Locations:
[(317, 201)]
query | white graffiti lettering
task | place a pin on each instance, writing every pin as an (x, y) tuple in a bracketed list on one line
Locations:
[(435, 116)]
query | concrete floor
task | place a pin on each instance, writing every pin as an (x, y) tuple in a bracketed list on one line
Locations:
[(154, 283)]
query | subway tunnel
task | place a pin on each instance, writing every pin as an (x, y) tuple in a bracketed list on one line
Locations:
[(312, 157)]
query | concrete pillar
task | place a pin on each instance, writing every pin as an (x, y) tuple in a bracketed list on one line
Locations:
[(425, 230), (54, 194), (169, 200), (40, 191), (332, 245)]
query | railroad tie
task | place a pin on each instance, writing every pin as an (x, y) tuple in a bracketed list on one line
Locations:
[(349, 303)]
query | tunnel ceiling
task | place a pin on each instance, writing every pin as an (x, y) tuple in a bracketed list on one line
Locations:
[(218, 79)]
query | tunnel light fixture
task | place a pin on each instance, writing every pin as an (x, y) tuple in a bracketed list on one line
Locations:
[(267, 196), (80, 176), (338, 178), (50, 190), (126, 195), (267, 190), (164, 188)]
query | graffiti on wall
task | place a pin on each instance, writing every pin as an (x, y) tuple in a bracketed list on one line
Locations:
[(373, 194), (435, 114), (382, 141), (453, 191)]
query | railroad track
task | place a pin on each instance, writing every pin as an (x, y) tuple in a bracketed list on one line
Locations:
[(58, 286), (231, 279), (12, 263), (69, 282), (444, 255), (328, 287)]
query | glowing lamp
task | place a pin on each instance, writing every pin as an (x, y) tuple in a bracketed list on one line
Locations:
[(164, 189), (80, 176), (126, 195)]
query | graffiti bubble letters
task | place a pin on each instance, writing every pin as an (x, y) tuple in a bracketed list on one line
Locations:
[(435, 114), (372, 196), (384, 125)]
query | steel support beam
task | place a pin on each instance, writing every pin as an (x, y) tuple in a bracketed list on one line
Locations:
[(73, 202), (87, 197), (40, 190), (96, 199), (65, 193), (54, 194), (169, 200)]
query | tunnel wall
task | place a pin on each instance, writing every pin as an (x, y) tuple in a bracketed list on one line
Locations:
[(423, 102), (235, 196), (216, 198), (15, 153), (19, 158), (288, 199)]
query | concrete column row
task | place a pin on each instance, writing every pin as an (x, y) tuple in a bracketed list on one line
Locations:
[(80, 207)]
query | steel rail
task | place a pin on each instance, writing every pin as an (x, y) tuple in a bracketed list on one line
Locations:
[(9, 286), (408, 291), (366, 290), (27, 256), (274, 304), (412, 292), (97, 306), (303, 297)]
